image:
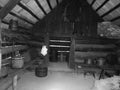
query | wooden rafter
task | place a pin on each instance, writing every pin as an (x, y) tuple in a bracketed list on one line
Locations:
[(5, 22), (93, 2), (41, 7), (116, 18), (0, 46), (12, 13), (117, 6), (57, 2), (48, 1), (8, 7), (102, 5), (28, 10)]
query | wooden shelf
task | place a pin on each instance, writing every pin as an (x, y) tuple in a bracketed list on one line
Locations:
[(89, 48), (90, 54), (8, 49), (94, 46)]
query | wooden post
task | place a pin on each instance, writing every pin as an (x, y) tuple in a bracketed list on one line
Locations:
[(61, 57), (0, 45), (14, 86), (72, 51), (47, 44)]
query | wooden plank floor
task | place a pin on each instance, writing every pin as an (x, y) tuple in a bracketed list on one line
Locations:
[(59, 77)]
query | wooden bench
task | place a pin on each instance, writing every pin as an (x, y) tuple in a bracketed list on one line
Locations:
[(87, 69)]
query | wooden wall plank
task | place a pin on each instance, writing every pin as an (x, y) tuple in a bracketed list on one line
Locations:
[(94, 46), (61, 48), (72, 53), (90, 54), (60, 43), (0, 45)]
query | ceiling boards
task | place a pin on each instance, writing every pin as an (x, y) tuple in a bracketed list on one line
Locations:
[(28, 12)]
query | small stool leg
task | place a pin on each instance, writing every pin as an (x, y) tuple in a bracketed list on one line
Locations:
[(101, 74), (85, 74), (93, 74)]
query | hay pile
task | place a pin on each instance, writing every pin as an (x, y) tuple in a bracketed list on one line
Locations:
[(112, 83)]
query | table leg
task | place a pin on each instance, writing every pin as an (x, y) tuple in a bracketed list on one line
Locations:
[(101, 73)]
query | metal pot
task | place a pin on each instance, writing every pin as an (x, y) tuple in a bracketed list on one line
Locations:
[(101, 61)]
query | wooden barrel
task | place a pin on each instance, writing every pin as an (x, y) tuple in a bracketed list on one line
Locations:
[(18, 62), (41, 71)]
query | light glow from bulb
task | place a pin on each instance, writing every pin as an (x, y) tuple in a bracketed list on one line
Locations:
[(44, 50)]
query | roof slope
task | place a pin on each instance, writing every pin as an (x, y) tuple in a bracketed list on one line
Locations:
[(109, 10), (29, 12)]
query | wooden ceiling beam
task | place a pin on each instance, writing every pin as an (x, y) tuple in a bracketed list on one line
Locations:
[(92, 2), (5, 22), (48, 1), (102, 5), (117, 6), (8, 7), (57, 2), (114, 19), (12, 13), (40, 7), (28, 10)]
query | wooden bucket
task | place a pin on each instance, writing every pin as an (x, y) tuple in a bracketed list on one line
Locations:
[(41, 71), (18, 62)]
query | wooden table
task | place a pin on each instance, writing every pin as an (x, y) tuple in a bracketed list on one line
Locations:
[(95, 68), (92, 69), (108, 68)]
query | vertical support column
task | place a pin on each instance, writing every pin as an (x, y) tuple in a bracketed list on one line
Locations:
[(72, 54), (47, 44), (54, 55), (61, 57), (0, 45)]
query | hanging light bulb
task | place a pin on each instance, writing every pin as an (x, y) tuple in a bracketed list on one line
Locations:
[(44, 50)]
